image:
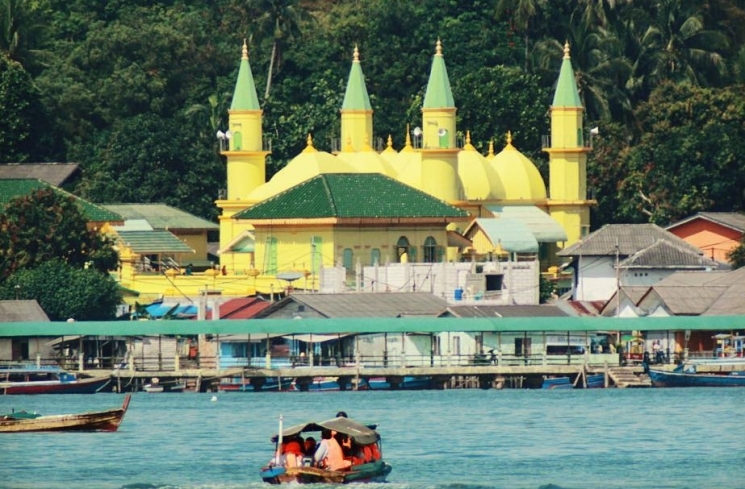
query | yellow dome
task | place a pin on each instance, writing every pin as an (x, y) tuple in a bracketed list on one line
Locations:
[(477, 178), (520, 177), (368, 161), (308, 164)]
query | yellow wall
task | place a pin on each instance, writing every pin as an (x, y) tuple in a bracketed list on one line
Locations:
[(357, 128)]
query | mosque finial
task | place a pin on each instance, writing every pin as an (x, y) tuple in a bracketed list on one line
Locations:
[(407, 146), (438, 48), (349, 148), (356, 57), (509, 139), (389, 143), (566, 49), (468, 145), (245, 50), (491, 148), (309, 148)]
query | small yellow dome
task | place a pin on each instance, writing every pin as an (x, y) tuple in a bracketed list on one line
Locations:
[(368, 161), (520, 177), (477, 178)]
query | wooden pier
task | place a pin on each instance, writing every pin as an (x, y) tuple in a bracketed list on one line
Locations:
[(444, 377)]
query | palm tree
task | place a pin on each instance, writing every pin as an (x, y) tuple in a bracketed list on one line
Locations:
[(20, 29), (522, 13), (280, 21)]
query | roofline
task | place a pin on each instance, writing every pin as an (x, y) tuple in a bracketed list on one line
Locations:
[(707, 218)]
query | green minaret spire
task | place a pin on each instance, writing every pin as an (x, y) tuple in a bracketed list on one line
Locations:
[(356, 97), (244, 96), (566, 94), (438, 94)]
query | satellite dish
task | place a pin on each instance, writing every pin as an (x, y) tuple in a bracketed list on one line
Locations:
[(442, 131), (289, 276)]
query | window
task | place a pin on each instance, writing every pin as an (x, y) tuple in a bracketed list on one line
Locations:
[(348, 259), (456, 345), (430, 250), (237, 141), (270, 255), (402, 250), (316, 254), (374, 256)]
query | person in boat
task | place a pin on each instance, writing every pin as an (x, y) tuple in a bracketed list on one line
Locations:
[(292, 450), (329, 454), (341, 414), (322, 450), (310, 446)]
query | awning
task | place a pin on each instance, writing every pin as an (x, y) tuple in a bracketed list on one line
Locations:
[(544, 227), (244, 338), (157, 241), (63, 339), (511, 234), (245, 242)]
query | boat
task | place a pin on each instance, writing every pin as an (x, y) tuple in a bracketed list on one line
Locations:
[(325, 384), (22, 421), (244, 385), (687, 375), (47, 380), (374, 469), (594, 381), (156, 386), (407, 383)]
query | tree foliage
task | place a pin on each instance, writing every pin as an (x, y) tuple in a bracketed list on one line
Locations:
[(64, 291), (47, 225), (736, 256)]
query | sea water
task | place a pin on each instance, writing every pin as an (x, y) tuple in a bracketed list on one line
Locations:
[(455, 439)]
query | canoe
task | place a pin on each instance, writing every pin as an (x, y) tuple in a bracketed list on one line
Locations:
[(47, 380), (22, 421), (688, 376)]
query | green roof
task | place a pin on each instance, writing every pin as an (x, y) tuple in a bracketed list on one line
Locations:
[(566, 94), (244, 95), (356, 97), (162, 216), (513, 235), (20, 187), (351, 195), (372, 325), (439, 94), (152, 242)]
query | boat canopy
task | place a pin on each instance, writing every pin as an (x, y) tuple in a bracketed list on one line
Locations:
[(360, 433)]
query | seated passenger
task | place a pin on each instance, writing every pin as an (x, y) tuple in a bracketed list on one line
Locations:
[(335, 457), (292, 450), (322, 450)]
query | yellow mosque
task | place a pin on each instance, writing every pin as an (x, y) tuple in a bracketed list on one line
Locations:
[(437, 200)]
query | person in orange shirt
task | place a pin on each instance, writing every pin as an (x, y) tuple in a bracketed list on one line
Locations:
[(292, 450)]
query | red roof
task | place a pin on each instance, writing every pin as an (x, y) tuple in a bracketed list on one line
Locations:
[(243, 308)]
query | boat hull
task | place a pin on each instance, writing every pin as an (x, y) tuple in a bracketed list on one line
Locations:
[(662, 378), (369, 472), (78, 386), (94, 421)]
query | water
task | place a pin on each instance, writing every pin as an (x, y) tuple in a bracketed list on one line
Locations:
[(457, 439)]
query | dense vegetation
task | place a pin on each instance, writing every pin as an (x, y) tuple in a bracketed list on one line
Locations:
[(134, 91)]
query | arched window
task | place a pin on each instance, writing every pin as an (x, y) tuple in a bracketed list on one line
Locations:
[(375, 256), (316, 254), (270, 255), (402, 250), (430, 250)]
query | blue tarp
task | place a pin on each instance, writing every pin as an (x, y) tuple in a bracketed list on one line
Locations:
[(159, 310)]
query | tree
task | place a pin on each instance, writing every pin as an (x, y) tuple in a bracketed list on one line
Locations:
[(47, 225), (280, 21), (64, 291), (736, 256), (22, 28)]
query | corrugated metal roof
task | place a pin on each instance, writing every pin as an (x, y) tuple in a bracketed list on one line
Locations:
[(731, 302), (21, 310), (513, 235), (153, 242), (733, 220), (162, 216), (693, 277), (544, 227), (686, 301), (243, 308), (20, 187), (373, 305), (52, 173), (372, 325), (351, 195), (626, 239), (474, 311), (664, 254)]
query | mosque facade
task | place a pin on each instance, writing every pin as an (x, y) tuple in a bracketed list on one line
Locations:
[(360, 207)]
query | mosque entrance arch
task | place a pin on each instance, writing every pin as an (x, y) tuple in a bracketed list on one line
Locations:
[(403, 250)]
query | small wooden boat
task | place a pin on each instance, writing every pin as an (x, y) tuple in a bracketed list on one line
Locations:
[(374, 469), (22, 421), (47, 380)]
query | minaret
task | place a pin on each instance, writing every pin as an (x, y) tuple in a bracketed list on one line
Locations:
[(245, 155), (356, 111), (568, 203), (439, 152), (243, 147)]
